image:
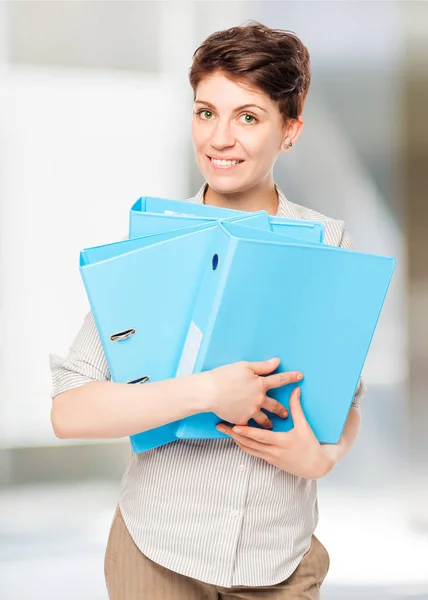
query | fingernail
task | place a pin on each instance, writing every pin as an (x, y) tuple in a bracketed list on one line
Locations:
[(237, 429), (221, 428), (284, 414), (298, 393), (299, 376)]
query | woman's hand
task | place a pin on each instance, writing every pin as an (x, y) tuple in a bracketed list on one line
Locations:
[(296, 451), (238, 392)]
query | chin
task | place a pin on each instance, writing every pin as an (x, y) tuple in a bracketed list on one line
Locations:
[(224, 185)]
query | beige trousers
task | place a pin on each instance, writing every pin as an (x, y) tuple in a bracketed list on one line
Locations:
[(130, 575)]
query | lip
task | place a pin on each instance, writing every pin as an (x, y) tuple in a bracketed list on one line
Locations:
[(226, 168)]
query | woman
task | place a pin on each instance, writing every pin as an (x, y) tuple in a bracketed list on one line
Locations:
[(231, 517)]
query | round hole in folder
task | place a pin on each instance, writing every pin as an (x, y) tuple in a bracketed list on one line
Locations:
[(215, 261)]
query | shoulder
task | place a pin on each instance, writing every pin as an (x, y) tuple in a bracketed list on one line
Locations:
[(335, 230)]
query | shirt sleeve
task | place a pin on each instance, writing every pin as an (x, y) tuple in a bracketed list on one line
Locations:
[(84, 363), (348, 243)]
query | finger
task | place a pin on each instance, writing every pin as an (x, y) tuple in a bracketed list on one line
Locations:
[(265, 366), (262, 419), (296, 410), (280, 379), (263, 436), (275, 407), (245, 441), (227, 429)]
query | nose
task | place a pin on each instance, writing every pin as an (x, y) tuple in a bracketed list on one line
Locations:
[(222, 136)]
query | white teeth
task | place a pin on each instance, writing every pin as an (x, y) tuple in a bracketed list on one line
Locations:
[(225, 163)]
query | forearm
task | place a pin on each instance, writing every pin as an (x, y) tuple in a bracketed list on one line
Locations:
[(337, 451), (349, 434), (104, 409)]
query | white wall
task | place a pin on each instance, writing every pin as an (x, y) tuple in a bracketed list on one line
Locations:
[(77, 148)]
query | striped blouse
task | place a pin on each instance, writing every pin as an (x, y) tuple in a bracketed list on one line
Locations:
[(204, 508)]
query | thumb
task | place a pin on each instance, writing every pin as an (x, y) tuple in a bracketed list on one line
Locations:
[(296, 410), (265, 366)]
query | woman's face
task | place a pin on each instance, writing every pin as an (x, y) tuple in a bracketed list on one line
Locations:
[(235, 123)]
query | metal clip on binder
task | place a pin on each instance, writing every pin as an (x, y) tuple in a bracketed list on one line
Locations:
[(143, 379), (122, 335)]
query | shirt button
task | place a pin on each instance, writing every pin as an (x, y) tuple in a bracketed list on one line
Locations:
[(234, 513), (241, 467)]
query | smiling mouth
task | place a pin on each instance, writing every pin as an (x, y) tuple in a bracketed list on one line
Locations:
[(223, 163)]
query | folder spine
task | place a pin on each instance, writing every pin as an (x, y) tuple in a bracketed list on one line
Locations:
[(206, 307), (211, 290), (218, 257)]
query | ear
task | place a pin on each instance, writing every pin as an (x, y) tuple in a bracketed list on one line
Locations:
[(292, 132)]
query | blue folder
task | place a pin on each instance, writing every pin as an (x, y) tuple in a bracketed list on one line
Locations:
[(314, 306), (141, 292), (145, 296), (151, 215)]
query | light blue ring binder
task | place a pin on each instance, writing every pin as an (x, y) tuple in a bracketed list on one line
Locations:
[(148, 285), (325, 302), (150, 214), (152, 286)]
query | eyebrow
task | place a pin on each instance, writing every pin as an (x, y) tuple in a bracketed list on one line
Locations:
[(235, 110)]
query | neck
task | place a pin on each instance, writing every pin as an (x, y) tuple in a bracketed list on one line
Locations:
[(262, 197)]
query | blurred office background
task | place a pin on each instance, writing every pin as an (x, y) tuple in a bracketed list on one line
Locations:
[(95, 111)]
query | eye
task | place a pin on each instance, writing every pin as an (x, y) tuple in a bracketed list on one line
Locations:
[(252, 119), (208, 114)]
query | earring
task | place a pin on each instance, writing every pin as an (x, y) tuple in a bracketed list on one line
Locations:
[(288, 145)]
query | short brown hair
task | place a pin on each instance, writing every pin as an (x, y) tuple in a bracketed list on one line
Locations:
[(272, 60)]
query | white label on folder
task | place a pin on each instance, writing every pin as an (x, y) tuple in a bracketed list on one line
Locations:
[(173, 213), (190, 351)]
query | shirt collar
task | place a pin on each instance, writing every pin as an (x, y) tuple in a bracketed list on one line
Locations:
[(284, 207)]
